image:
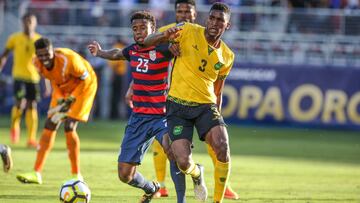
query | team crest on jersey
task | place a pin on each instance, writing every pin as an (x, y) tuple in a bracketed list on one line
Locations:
[(218, 65), (152, 55)]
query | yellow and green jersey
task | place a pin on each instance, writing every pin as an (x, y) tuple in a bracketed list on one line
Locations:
[(23, 52), (199, 66)]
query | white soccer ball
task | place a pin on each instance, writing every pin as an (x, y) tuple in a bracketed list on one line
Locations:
[(75, 191)]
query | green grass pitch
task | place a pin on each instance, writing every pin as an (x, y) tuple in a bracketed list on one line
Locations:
[(268, 165)]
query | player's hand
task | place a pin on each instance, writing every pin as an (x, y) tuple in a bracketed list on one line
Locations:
[(67, 103), (94, 48), (128, 97), (58, 117), (63, 105), (174, 48), (172, 33)]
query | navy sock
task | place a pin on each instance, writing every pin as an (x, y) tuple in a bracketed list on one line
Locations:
[(179, 181), (140, 182)]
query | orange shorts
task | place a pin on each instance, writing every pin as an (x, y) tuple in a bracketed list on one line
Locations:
[(81, 108)]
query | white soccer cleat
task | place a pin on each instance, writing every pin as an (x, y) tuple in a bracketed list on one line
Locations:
[(200, 189), (6, 158)]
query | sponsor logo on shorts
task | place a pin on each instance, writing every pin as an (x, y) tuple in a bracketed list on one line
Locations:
[(177, 130)]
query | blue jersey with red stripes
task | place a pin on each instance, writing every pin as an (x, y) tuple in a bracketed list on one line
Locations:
[(149, 70)]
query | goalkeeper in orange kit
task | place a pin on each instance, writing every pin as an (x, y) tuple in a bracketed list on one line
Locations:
[(74, 86)]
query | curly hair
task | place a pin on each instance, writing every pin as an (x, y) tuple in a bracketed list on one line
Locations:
[(143, 15)]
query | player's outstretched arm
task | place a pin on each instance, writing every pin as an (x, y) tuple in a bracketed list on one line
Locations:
[(111, 54), (162, 37)]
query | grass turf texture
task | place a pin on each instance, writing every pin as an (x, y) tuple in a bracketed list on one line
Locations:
[(268, 165)]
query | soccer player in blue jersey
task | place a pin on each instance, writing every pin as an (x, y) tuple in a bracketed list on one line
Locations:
[(149, 69)]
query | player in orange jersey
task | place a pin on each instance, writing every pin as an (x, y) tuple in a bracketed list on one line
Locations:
[(26, 79), (74, 86)]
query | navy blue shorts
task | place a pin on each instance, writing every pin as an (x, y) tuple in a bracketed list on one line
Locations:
[(139, 135)]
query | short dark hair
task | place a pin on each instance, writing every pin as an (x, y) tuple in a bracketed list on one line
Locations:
[(27, 15), (192, 2), (221, 7), (143, 15), (43, 43)]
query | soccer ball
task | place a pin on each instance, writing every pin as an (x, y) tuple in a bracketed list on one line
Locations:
[(75, 191)]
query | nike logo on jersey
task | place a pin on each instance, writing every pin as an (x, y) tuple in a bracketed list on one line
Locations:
[(195, 47)]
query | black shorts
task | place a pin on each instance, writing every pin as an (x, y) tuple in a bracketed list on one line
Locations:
[(181, 120), (27, 90)]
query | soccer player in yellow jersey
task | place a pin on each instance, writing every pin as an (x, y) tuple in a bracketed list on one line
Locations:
[(74, 86), (26, 79), (185, 12), (195, 95)]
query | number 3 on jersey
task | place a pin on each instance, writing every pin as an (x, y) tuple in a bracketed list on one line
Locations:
[(203, 64), (143, 65)]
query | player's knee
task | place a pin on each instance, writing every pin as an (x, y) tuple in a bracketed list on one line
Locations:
[(183, 163), (70, 125), (50, 125), (222, 153), (31, 104), (124, 175)]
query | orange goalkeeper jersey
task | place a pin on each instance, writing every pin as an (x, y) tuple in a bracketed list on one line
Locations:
[(71, 75)]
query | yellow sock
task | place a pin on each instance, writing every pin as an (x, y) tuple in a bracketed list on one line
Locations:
[(211, 154), (31, 120), (222, 171), (193, 170), (160, 160), (15, 118)]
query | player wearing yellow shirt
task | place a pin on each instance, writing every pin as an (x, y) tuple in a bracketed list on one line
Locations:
[(185, 12), (26, 79), (195, 95), (74, 86)]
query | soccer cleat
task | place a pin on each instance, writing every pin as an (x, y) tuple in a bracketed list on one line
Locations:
[(163, 192), (148, 197), (6, 158), (31, 177), (200, 189), (230, 193), (32, 144), (14, 135)]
